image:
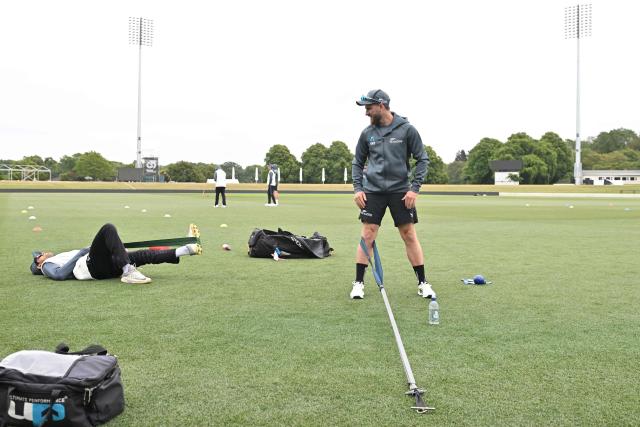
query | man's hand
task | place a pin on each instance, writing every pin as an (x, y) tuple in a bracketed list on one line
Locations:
[(361, 199), (410, 199)]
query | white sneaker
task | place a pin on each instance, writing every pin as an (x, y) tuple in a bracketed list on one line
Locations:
[(269, 205), (224, 206), (357, 292), (216, 206), (194, 248), (134, 276), (193, 231), (425, 291)]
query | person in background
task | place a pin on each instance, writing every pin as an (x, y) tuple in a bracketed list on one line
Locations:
[(272, 186), (385, 148), (221, 186), (107, 258)]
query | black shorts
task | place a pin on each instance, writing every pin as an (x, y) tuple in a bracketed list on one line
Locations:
[(376, 207)]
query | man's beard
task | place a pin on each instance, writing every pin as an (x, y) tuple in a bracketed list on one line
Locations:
[(376, 119)]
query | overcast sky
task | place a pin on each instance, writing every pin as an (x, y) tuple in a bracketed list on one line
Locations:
[(226, 80)]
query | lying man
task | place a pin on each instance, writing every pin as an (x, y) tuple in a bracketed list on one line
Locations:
[(107, 258)]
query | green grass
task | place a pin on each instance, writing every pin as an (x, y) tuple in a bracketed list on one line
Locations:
[(224, 339)]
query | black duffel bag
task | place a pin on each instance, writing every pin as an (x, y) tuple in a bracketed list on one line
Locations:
[(43, 388), (263, 243)]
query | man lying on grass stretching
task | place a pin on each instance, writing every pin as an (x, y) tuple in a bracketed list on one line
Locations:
[(107, 258)]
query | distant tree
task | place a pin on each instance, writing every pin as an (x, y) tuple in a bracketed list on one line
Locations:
[(454, 172), (53, 166), (614, 140), (461, 156), (534, 170), (517, 146), (32, 160), (436, 172), (206, 170), (313, 160), (621, 159), (183, 172), (248, 174), (476, 169), (564, 157), (338, 158), (68, 163), (281, 156), (590, 159), (229, 167), (92, 164)]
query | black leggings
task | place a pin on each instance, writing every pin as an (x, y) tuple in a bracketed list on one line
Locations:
[(219, 191), (270, 195), (107, 255)]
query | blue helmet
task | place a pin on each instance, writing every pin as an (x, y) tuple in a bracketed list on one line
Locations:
[(478, 279)]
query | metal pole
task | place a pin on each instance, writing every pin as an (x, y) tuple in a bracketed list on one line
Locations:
[(403, 354), (577, 169), (578, 25), (141, 34), (139, 149)]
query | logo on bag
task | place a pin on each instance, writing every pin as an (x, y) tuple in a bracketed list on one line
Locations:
[(294, 240), (35, 412)]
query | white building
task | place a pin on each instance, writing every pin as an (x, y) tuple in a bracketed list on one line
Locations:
[(611, 177), (504, 170)]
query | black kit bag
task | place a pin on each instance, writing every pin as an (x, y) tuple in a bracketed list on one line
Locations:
[(263, 243), (43, 388)]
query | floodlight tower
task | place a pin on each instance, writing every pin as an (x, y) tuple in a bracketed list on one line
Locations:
[(141, 34), (577, 24)]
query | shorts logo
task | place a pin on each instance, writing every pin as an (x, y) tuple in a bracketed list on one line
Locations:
[(364, 212), (395, 141)]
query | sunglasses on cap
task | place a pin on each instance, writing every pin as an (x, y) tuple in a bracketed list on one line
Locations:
[(364, 98)]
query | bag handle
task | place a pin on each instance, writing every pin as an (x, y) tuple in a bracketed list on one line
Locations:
[(94, 349), (4, 412)]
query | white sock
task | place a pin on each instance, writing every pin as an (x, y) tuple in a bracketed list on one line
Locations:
[(126, 268), (182, 251)]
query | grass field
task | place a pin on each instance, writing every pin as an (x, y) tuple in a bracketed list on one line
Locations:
[(224, 339)]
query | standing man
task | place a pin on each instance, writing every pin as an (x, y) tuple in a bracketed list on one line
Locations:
[(385, 146), (221, 186), (272, 186)]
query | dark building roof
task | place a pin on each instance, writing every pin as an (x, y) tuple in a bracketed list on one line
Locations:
[(505, 165)]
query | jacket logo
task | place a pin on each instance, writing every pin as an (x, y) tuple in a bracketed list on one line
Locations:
[(372, 140), (395, 141)]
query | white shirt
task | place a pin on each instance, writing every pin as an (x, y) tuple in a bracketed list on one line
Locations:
[(81, 271), (221, 178), (271, 178)]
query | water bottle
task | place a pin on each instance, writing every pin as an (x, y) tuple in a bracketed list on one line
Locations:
[(434, 312)]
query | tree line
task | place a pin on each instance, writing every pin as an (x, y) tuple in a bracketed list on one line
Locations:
[(545, 161), (548, 160)]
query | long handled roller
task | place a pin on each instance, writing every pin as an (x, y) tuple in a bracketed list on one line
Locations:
[(414, 390)]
